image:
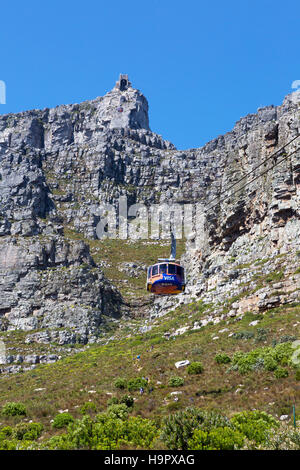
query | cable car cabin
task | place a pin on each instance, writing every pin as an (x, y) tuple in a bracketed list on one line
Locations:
[(166, 278)]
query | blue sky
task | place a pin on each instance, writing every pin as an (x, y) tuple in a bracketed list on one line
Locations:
[(202, 65)]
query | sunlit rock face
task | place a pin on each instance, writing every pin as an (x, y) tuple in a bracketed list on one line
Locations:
[(57, 165)]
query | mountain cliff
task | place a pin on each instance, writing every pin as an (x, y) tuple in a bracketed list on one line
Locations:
[(57, 165)]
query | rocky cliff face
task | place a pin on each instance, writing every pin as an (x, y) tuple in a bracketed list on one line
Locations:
[(56, 165)]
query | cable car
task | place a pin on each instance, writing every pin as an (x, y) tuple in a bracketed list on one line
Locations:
[(167, 276)]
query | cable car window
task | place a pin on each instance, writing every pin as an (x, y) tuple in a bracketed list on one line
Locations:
[(179, 270), (171, 269), (163, 269), (149, 272), (154, 270)]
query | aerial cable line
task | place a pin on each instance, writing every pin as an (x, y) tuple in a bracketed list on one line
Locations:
[(254, 169), (258, 176)]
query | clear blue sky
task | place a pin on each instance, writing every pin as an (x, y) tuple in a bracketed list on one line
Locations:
[(201, 64)]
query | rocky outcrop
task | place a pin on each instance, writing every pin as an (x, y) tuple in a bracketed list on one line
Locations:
[(53, 284), (57, 165)]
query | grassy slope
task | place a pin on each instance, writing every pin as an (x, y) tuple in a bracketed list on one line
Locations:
[(89, 375)]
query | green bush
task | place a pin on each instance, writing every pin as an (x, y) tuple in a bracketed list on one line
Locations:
[(5, 432), (281, 373), (118, 411), (285, 438), (270, 362), (27, 431), (254, 425), (127, 400), (105, 433), (176, 381), (261, 335), (267, 357), (224, 438), (178, 428), (297, 374), (112, 401), (14, 409), (136, 384), (62, 420), (222, 358), (120, 383), (243, 335), (195, 368), (88, 407)]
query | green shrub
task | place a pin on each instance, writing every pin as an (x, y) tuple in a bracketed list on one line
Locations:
[(62, 420), (222, 358), (178, 428), (195, 368), (136, 384), (223, 438), (88, 407), (14, 409), (118, 411), (261, 335), (270, 362), (297, 374), (281, 373), (176, 381), (243, 335), (120, 383), (254, 425), (5, 432), (105, 433), (112, 401), (127, 400), (27, 431), (267, 357), (285, 438)]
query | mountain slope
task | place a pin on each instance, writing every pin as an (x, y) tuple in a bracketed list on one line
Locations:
[(69, 298)]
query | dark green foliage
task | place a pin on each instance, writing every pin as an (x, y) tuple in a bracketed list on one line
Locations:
[(222, 358), (113, 401), (62, 420), (127, 400), (120, 383), (254, 425), (243, 335), (223, 438), (119, 410), (175, 381), (88, 407), (179, 428), (13, 409), (281, 373), (261, 335), (284, 339), (5, 432), (105, 433), (27, 431), (267, 357), (136, 384), (195, 368)]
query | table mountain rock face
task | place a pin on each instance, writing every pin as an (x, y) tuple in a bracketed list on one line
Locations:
[(57, 165)]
